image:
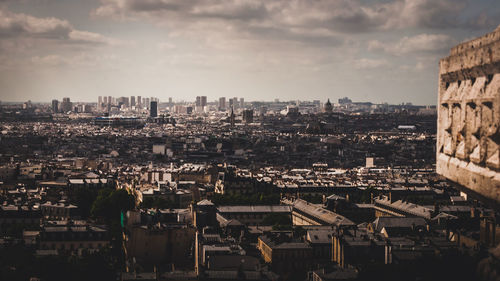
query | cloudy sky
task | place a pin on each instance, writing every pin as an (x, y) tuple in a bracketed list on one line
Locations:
[(368, 50)]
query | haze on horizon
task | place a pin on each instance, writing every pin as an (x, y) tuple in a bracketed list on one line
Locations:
[(378, 51)]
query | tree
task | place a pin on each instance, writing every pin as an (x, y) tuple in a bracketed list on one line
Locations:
[(84, 198), (110, 203)]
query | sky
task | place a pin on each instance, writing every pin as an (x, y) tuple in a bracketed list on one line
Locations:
[(368, 50)]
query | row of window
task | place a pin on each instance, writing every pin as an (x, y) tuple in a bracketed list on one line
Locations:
[(71, 246)]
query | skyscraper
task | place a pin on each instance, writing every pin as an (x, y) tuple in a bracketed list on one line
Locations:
[(153, 111), (242, 102), (139, 102), (248, 116), (55, 106), (203, 101), (222, 104), (132, 101), (123, 101), (99, 101), (198, 101), (66, 105)]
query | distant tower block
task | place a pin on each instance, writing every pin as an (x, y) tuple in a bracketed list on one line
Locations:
[(222, 104), (468, 137), (153, 111)]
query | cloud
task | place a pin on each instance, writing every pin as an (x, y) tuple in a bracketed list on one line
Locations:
[(78, 60), (13, 25), (163, 46), (242, 10), (49, 60), (369, 64), (77, 36), (344, 16), (319, 23), (19, 25), (422, 43)]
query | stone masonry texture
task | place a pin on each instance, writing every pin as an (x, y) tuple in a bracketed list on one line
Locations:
[(468, 137)]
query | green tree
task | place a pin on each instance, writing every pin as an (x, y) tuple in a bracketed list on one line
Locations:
[(110, 203), (84, 197)]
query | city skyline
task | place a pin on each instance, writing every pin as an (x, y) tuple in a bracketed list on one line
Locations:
[(376, 51), (131, 187)]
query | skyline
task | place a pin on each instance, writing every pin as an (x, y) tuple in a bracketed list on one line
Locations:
[(376, 51)]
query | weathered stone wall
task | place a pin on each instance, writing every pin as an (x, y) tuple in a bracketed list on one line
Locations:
[(468, 138)]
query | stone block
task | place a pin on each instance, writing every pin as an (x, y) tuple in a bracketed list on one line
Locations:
[(468, 137)]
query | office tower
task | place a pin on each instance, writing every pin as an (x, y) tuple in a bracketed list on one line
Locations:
[(146, 101), (203, 101), (99, 102), (139, 102), (170, 101), (132, 101), (105, 100), (55, 106), (231, 103), (66, 105), (222, 103), (109, 100), (123, 101), (248, 116), (153, 111), (242, 102), (235, 103), (198, 101)]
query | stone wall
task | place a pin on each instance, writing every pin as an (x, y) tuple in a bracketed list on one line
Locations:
[(468, 137)]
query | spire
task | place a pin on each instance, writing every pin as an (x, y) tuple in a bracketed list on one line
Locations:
[(231, 117), (328, 106)]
